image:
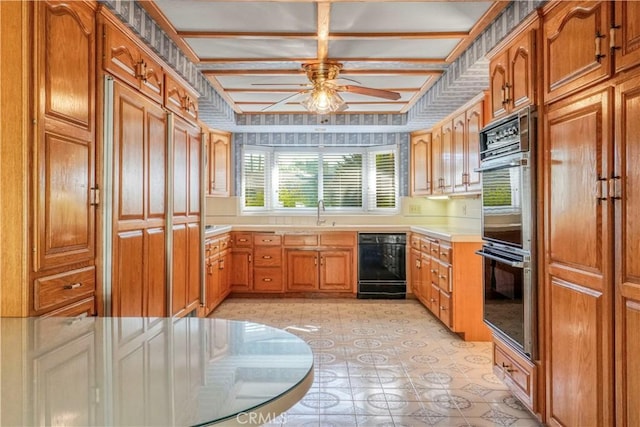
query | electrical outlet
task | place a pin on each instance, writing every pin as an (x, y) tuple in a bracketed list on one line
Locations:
[(415, 209)]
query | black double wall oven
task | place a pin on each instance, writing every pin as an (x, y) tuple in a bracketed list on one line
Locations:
[(508, 228)]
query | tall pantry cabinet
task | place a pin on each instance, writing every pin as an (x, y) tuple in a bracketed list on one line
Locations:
[(63, 181), (591, 53)]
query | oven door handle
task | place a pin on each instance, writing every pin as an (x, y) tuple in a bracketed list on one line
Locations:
[(512, 164), (517, 264)]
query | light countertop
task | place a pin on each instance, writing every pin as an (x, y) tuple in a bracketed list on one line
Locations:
[(444, 232)]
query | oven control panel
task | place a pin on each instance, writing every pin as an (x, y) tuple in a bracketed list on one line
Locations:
[(509, 135)]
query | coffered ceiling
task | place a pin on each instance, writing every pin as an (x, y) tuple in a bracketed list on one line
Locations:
[(253, 52)]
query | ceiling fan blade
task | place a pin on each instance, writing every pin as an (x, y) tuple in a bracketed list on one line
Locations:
[(369, 91), (285, 100), (346, 79)]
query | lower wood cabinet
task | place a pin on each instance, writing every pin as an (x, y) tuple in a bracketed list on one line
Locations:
[(517, 372), (217, 271), (447, 278)]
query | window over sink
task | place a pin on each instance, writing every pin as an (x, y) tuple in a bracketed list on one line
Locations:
[(347, 179)]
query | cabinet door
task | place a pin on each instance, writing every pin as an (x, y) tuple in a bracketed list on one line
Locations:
[(302, 270), (498, 80), (64, 212), (139, 168), (415, 263), (475, 122), (240, 274), (421, 164), (576, 47), (578, 245), (447, 157), (458, 153), (336, 267), (627, 34), (437, 181), (219, 164), (434, 299), (212, 280), (520, 90), (626, 253), (225, 273), (445, 309)]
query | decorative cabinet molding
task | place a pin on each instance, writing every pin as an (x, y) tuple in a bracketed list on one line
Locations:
[(179, 99), (420, 164)]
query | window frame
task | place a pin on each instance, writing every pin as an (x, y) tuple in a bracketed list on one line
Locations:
[(271, 180)]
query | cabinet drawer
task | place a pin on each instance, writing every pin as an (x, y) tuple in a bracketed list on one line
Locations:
[(425, 245), (267, 239), (516, 372), (225, 242), (270, 256), (211, 248), (445, 309), (338, 239), (415, 242), (445, 254), (60, 288), (434, 249), (301, 240), (241, 240), (434, 270), (444, 277), (267, 279)]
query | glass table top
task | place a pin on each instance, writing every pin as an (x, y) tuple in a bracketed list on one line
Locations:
[(148, 371)]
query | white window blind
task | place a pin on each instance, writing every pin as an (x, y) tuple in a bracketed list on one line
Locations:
[(254, 170), (383, 190), (297, 180), (342, 180), (346, 179)]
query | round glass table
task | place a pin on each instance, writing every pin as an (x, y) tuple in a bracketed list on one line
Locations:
[(148, 371)]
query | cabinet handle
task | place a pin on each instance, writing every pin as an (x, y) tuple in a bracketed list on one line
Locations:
[(321, 260), (612, 38), (209, 269), (601, 188), (434, 271), (73, 285), (221, 265), (443, 308), (418, 264), (267, 279), (266, 240), (506, 93), (599, 54), (508, 368), (315, 260), (432, 299), (614, 189), (242, 240), (443, 276), (266, 256), (249, 258)]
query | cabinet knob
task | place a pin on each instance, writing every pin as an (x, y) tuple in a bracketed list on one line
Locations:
[(73, 286), (266, 256), (267, 279)]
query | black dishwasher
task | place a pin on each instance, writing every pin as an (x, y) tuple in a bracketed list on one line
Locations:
[(382, 265)]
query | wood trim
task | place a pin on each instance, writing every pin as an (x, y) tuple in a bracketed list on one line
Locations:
[(264, 35), (248, 72), (513, 34), (15, 47), (438, 61)]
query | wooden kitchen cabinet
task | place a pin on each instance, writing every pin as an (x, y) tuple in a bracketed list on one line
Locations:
[(179, 98), (512, 71), (466, 148), (576, 43), (578, 240), (451, 284), (241, 260), (445, 180), (186, 258), (129, 60), (420, 164), (325, 267), (63, 190), (436, 160), (267, 265), (219, 164), (217, 271), (627, 238), (626, 35), (415, 270), (519, 373), (138, 257)]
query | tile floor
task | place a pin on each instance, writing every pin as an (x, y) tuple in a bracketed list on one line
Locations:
[(385, 363)]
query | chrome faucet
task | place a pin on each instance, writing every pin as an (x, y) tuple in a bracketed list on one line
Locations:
[(318, 220)]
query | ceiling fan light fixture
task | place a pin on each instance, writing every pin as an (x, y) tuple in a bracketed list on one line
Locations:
[(324, 100)]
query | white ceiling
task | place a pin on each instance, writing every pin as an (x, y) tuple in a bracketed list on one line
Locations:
[(398, 46)]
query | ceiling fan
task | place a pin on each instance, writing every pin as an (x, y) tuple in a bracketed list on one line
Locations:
[(321, 94)]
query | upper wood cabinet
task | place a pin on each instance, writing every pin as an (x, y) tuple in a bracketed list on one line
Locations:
[(625, 38), (179, 99), (219, 164), (445, 180), (575, 46), (436, 160), (126, 59), (475, 121), (420, 164), (512, 76)]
